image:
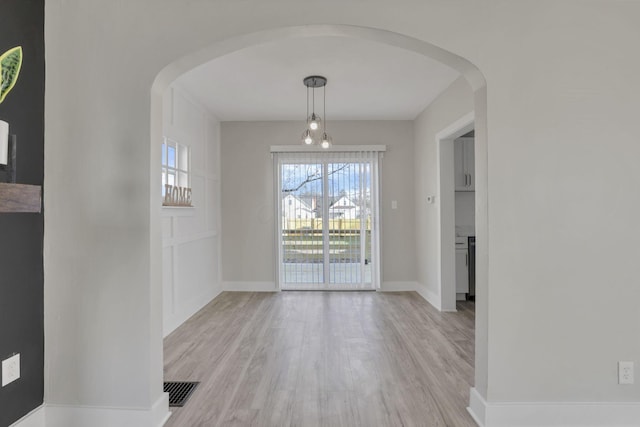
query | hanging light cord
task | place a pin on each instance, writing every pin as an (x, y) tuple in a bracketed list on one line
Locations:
[(324, 107), (307, 118), (313, 95)]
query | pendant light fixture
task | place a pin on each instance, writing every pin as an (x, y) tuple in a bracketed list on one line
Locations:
[(316, 130)]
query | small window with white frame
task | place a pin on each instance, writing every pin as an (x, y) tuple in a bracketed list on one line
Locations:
[(176, 162)]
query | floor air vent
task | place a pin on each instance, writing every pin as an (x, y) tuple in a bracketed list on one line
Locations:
[(179, 392)]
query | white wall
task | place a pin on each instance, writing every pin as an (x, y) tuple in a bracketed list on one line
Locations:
[(450, 106), (562, 101), (247, 195), (190, 240)]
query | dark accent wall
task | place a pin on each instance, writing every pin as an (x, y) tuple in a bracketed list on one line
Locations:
[(21, 273)]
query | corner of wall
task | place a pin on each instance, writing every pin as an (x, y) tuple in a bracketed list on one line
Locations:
[(35, 418), (430, 296)]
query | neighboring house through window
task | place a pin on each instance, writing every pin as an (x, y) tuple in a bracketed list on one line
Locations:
[(176, 163)]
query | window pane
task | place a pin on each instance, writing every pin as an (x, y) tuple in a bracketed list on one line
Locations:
[(183, 179), (172, 156), (172, 179), (164, 181), (183, 158), (164, 154)]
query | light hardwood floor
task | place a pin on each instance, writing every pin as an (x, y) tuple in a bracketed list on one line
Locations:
[(323, 359)]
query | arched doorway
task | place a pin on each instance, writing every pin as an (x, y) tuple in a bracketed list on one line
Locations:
[(464, 67)]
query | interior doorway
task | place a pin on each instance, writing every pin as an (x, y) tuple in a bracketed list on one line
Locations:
[(186, 60), (447, 183)]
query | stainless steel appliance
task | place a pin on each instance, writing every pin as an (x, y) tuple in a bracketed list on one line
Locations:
[(472, 268)]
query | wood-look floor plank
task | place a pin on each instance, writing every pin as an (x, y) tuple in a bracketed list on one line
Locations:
[(323, 359)]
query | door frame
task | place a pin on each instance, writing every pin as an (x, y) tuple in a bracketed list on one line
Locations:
[(447, 209), (376, 273)]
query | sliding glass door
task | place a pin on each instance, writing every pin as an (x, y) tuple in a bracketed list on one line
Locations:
[(327, 220)]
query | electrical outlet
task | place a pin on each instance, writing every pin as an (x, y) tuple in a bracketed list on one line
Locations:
[(625, 372), (10, 369)]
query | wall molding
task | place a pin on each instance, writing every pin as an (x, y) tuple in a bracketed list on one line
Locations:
[(81, 416), (430, 296), (406, 286), (35, 418), (250, 287), (168, 242), (477, 406), (553, 414)]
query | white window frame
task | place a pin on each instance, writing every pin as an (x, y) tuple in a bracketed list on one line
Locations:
[(182, 174)]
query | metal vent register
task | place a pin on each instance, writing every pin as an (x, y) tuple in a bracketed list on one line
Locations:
[(179, 392)]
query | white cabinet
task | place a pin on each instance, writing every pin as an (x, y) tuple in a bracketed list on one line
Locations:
[(464, 164), (462, 271)]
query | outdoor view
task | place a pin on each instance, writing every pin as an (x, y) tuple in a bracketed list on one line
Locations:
[(326, 232)]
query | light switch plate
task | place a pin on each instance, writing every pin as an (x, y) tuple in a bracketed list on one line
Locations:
[(10, 369)]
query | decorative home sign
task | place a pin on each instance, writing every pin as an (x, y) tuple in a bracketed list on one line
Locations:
[(177, 196)]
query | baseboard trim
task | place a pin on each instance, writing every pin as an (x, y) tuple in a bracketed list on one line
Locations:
[(35, 418), (398, 286), (430, 296), (83, 416), (477, 406), (250, 287), (552, 414)]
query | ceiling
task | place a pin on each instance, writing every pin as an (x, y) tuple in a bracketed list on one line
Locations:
[(366, 80)]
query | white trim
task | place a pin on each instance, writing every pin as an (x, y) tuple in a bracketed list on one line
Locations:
[(429, 296), (250, 287), (553, 414), (169, 211), (333, 149), (189, 238), (398, 287), (81, 416), (35, 418), (477, 406)]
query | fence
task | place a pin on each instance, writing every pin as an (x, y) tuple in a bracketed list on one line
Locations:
[(315, 224), (303, 242)]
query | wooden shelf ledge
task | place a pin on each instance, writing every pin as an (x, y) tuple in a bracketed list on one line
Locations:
[(20, 198)]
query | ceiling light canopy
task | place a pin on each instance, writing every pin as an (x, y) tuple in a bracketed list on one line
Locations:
[(316, 131)]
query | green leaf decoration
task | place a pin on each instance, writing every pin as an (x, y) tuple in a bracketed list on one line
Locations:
[(10, 63)]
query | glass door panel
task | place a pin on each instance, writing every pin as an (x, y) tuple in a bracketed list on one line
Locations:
[(346, 198), (326, 225), (302, 228)]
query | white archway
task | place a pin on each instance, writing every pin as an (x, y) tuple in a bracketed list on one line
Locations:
[(470, 72)]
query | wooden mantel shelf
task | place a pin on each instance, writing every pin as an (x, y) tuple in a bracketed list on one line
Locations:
[(20, 198)]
